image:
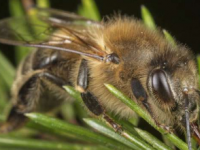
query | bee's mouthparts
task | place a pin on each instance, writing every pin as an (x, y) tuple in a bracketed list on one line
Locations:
[(195, 132)]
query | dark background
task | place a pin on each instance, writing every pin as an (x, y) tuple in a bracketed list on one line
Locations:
[(180, 18)]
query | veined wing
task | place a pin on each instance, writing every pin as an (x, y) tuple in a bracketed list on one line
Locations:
[(34, 32), (64, 18)]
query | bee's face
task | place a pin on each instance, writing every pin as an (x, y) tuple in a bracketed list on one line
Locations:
[(172, 80)]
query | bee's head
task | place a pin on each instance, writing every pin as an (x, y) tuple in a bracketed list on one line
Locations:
[(172, 92), (173, 83)]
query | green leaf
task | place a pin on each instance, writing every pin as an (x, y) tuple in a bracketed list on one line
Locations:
[(142, 113), (89, 9), (78, 131), (75, 94), (127, 138), (150, 23), (43, 3), (147, 18), (169, 37), (81, 112), (3, 95), (7, 71), (126, 124), (152, 140), (41, 144), (198, 63), (168, 142), (16, 10), (67, 111), (3, 99), (132, 104)]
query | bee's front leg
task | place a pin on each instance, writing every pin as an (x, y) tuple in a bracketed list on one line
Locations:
[(142, 98), (89, 99)]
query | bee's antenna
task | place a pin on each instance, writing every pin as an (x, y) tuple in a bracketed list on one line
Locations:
[(187, 121)]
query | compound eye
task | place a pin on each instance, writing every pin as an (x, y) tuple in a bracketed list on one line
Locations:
[(160, 86)]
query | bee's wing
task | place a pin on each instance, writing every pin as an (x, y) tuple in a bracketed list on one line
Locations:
[(33, 32), (64, 18)]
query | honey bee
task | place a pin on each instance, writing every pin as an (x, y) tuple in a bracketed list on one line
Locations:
[(85, 54)]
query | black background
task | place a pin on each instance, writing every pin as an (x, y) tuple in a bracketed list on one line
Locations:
[(180, 18)]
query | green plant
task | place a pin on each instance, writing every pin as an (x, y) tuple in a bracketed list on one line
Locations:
[(93, 133)]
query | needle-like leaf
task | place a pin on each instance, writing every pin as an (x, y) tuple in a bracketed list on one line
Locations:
[(78, 131), (126, 138), (169, 37), (152, 140), (6, 142), (7, 70), (89, 9), (142, 113), (147, 18)]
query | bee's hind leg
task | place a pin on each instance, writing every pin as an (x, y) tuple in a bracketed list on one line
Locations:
[(89, 98), (14, 120), (26, 97), (25, 93)]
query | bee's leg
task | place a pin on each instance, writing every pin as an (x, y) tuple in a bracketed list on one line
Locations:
[(26, 97), (89, 99), (14, 120), (141, 96), (169, 129), (145, 103)]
